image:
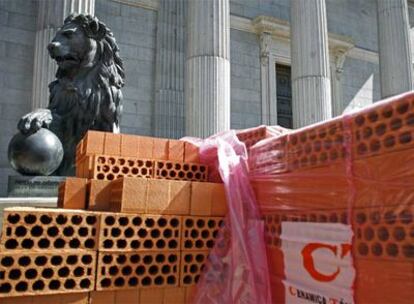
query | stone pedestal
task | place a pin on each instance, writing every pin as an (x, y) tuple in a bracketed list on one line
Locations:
[(34, 186), (50, 16), (311, 87), (396, 69), (207, 91)]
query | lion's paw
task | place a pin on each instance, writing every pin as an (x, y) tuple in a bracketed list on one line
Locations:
[(33, 121)]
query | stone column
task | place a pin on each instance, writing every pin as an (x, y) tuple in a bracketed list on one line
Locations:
[(207, 85), (268, 81), (169, 70), (50, 16), (311, 88), (394, 47)]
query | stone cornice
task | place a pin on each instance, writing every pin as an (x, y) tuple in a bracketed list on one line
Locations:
[(281, 29), (276, 27), (241, 23)]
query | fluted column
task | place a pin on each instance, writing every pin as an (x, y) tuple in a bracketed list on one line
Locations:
[(169, 73), (311, 88), (50, 16), (207, 85), (394, 47)]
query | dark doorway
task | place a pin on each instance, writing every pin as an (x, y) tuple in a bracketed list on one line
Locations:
[(284, 96)]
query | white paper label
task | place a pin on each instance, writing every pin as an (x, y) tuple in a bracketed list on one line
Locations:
[(318, 263)]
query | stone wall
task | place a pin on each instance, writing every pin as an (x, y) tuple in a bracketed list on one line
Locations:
[(360, 84), (17, 35), (134, 29), (245, 80), (354, 18)]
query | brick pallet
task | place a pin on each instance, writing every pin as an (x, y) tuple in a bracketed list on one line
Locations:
[(135, 225), (356, 170)]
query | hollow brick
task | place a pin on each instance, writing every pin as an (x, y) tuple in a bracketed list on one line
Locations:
[(46, 272), (200, 232), (106, 167), (191, 267), (139, 232), (180, 171), (131, 270), (38, 228)]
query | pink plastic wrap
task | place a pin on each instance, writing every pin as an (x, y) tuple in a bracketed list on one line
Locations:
[(237, 270)]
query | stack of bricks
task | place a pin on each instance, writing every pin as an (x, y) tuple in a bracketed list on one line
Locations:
[(134, 226), (357, 170)]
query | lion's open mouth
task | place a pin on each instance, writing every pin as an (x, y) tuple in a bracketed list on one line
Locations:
[(69, 57)]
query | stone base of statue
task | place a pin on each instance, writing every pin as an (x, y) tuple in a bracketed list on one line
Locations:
[(34, 186)]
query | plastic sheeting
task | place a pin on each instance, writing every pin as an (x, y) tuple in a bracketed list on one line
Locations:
[(237, 269)]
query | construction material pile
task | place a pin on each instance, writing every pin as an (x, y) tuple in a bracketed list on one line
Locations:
[(338, 206), (134, 226)]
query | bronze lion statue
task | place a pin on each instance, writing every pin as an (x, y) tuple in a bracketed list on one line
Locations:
[(87, 91)]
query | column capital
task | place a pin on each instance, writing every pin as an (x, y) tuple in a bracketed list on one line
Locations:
[(265, 44)]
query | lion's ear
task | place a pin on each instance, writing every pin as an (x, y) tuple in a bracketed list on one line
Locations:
[(69, 18), (97, 29), (94, 26)]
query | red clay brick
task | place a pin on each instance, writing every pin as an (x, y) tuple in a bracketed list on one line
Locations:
[(129, 195), (152, 295), (93, 143), (218, 200), (160, 149), (112, 144), (72, 193), (102, 297), (176, 150), (191, 153), (146, 147), (201, 198), (129, 145), (99, 195), (168, 197)]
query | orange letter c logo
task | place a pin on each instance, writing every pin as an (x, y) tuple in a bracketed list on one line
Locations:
[(309, 264)]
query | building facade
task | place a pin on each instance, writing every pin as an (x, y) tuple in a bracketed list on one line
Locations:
[(158, 43)]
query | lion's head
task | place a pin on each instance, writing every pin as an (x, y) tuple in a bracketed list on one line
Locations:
[(85, 42)]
